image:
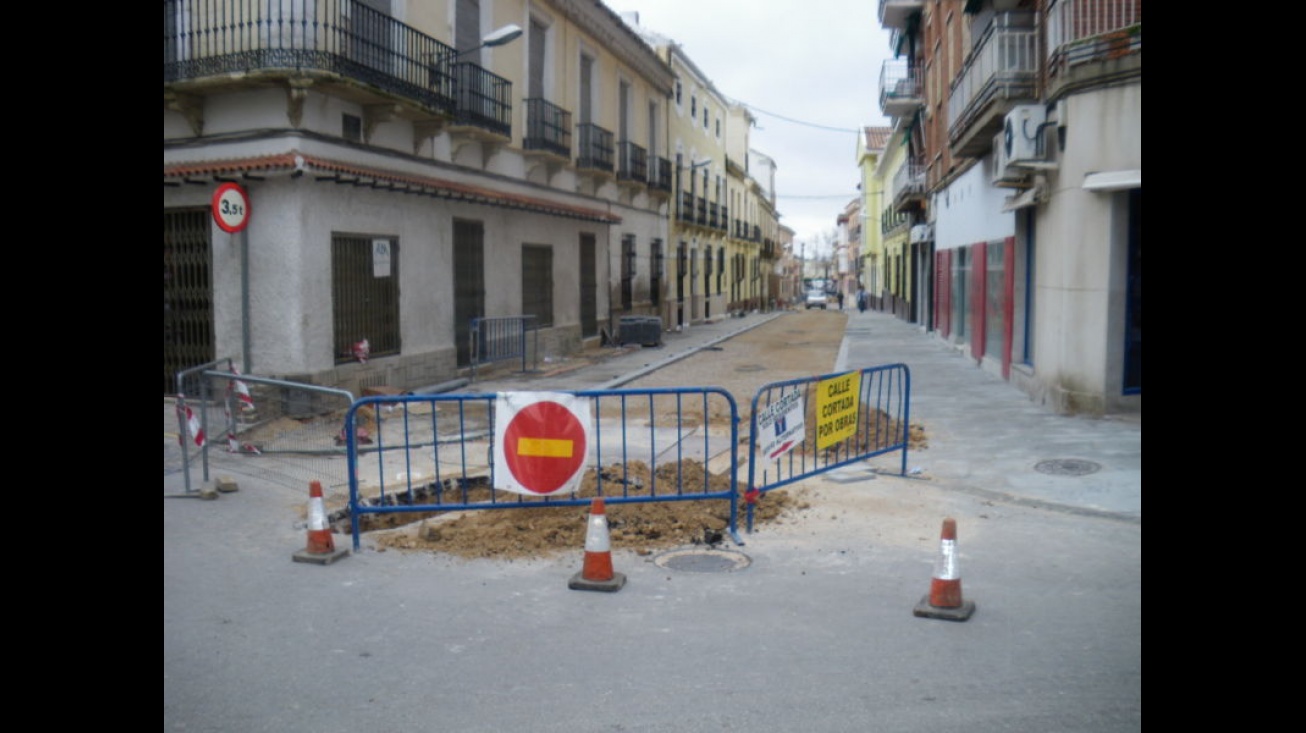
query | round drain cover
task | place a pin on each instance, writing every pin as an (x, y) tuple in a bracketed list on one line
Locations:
[(1067, 467), (703, 560)]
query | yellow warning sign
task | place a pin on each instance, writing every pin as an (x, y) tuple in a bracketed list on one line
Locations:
[(837, 400)]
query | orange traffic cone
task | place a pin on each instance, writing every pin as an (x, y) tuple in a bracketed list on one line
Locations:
[(597, 573), (321, 547), (944, 600)]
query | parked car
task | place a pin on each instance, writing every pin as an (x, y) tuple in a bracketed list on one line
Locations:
[(816, 298)]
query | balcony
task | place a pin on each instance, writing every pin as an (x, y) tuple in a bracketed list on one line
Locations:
[(484, 102), (900, 88), (894, 13), (632, 163), (339, 45), (548, 129), (1000, 72), (659, 176), (1093, 42), (685, 212), (908, 186), (893, 221), (595, 149)]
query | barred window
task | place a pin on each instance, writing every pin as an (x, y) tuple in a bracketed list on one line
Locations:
[(364, 295), (655, 273), (628, 271), (537, 283)]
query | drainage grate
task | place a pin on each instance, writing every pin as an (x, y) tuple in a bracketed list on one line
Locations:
[(1067, 467), (703, 560), (750, 368)]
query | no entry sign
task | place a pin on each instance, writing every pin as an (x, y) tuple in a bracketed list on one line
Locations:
[(541, 442)]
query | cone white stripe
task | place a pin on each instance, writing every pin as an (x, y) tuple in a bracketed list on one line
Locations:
[(317, 520), (596, 537), (946, 566)]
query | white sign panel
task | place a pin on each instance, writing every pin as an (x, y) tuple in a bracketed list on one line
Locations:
[(780, 425), (380, 258)]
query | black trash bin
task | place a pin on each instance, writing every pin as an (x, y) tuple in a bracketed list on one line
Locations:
[(642, 330)]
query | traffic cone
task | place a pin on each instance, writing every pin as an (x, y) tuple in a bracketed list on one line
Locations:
[(597, 574), (321, 547), (944, 599)]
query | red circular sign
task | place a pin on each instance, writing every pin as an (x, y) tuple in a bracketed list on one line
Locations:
[(231, 207), (544, 445)]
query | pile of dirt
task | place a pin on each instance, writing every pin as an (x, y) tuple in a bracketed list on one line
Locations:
[(633, 524), (797, 345)]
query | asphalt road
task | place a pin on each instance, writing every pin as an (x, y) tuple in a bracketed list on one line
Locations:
[(816, 633)]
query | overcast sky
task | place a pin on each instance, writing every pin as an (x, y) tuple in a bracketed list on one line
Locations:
[(808, 69)]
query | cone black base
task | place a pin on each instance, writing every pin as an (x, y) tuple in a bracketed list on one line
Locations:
[(579, 582), (960, 613), (320, 558)]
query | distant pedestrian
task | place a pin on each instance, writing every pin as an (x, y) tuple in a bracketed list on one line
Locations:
[(839, 296), (861, 299)]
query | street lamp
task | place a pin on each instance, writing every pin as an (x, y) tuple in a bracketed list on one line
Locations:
[(504, 35)]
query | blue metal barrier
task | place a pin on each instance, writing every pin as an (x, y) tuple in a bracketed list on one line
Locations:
[(802, 427), (501, 338), (435, 453)]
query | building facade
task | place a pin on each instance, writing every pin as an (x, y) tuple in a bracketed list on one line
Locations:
[(1026, 253), (409, 167)]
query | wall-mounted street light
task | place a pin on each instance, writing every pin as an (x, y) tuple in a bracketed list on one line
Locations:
[(506, 34), (500, 37)]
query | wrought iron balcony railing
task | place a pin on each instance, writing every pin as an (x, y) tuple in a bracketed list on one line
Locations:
[(1002, 65), (659, 175), (632, 162), (685, 212), (892, 220), (206, 39), (900, 88), (595, 147), (548, 128), (908, 183), (1080, 31), (484, 99)]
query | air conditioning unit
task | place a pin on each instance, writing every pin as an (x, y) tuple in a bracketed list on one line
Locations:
[(1022, 134), (1004, 173)]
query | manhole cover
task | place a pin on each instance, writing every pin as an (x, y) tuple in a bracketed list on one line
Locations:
[(1067, 467), (703, 560)]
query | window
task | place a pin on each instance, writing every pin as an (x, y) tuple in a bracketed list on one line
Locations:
[(537, 283), (960, 277), (628, 269), (705, 123), (693, 106), (351, 127), (364, 295), (655, 272), (677, 92), (995, 298)]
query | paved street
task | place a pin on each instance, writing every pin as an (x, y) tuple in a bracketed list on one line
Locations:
[(816, 633)]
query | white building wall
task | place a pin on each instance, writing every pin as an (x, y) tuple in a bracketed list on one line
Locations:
[(970, 210), (1081, 241)]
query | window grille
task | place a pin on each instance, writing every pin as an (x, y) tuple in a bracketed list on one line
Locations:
[(364, 295)]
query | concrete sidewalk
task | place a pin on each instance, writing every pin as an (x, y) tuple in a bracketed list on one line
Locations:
[(989, 437)]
